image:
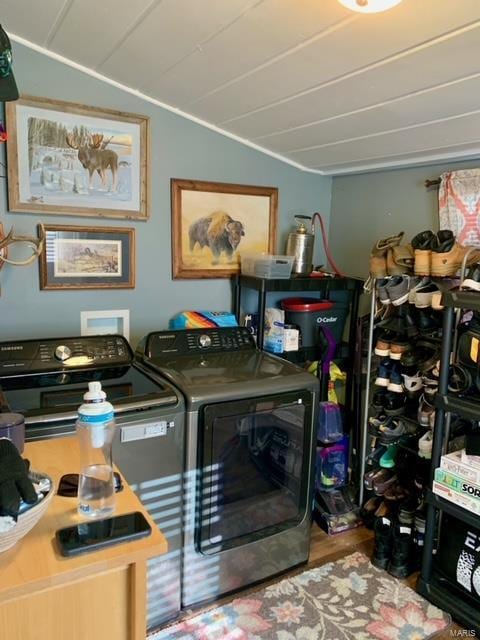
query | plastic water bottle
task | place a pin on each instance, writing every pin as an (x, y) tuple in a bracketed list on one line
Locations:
[(95, 428)]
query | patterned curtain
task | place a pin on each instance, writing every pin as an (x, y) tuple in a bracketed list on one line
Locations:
[(459, 205)]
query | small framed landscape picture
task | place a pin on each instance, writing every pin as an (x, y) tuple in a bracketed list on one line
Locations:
[(88, 258), (214, 223), (70, 159)]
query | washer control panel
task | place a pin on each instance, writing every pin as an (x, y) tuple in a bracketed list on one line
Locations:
[(191, 341), (59, 354)]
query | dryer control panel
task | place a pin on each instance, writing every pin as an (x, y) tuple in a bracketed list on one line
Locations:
[(192, 341)]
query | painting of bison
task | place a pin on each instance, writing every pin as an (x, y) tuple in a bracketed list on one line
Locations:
[(214, 223), (220, 232)]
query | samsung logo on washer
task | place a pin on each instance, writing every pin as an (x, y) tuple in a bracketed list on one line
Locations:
[(324, 320), (12, 347)]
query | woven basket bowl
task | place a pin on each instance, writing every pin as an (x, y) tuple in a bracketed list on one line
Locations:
[(28, 519)]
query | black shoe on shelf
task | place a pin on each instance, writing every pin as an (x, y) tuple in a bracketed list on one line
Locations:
[(394, 403), (382, 549), (379, 398), (401, 560)]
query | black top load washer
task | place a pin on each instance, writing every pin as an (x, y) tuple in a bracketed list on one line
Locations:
[(45, 379), (251, 419)]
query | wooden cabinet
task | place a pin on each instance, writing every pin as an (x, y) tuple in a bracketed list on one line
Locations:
[(96, 595)]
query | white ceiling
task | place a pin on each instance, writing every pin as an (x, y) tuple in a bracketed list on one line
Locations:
[(327, 89)]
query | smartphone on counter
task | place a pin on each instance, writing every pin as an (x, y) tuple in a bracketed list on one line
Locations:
[(97, 534)]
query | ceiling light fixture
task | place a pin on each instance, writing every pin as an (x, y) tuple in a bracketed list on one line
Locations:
[(369, 6)]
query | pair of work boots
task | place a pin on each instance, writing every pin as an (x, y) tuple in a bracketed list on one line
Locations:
[(439, 255), (394, 548), (390, 258)]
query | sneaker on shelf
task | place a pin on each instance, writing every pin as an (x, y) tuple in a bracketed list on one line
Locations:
[(382, 480), (430, 386), (377, 423), (387, 461), (425, 444), (418, 284), (396, 492), (425, 410), (394, 403), (396, 380), (422, 358), (472, 279), (392, 428), (422, 297), (399, 289), (373, 458), (382, 291), (383, 374), (422, 245), (412, 385), (379, 398), (382, 344), (401, 565), (382, 549), (448, 255), (398, 347), (428, 323)]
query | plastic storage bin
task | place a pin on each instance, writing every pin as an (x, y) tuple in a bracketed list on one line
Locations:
[(262, 265)]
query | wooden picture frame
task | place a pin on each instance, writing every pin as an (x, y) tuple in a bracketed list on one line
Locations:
[(71, 159), (87, 258), (213, 223)]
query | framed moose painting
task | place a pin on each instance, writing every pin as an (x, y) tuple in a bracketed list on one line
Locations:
[(65, 158), (213, 223)]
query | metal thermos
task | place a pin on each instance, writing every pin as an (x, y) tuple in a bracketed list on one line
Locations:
[(300, 244)]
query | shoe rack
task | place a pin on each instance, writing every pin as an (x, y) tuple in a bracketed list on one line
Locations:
[(431, 584), (372, 361)]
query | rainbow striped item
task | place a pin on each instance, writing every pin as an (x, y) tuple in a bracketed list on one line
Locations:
[(202, 320)]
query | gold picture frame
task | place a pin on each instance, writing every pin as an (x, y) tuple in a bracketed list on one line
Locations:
[(213, 223), (71, 159)]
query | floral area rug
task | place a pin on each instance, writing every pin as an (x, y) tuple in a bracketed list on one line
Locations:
[(344, 600)]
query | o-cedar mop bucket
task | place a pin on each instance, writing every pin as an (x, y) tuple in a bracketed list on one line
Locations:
[(311, 314)]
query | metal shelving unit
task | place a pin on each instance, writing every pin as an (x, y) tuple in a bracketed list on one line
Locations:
[(323, 286), (431, 584)]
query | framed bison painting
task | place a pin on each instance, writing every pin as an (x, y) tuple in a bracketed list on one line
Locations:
[(69, 159), (213, 223)]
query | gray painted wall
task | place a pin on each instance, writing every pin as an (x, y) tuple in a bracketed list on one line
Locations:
[(374, 205), (180, 149)]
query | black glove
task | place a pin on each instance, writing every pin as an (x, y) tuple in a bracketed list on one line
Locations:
[(14, 481)]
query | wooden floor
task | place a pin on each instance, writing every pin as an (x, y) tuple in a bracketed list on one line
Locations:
[(325, 548)]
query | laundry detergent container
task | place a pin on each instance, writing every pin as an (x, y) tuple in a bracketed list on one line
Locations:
[(311, 315)]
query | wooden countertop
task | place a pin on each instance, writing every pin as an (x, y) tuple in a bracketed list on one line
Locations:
[(34, 563)]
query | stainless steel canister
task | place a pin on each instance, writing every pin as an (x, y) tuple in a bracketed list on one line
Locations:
[(300, 244)]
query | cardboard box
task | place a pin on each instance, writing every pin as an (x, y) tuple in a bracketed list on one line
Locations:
[(453, 463), (461, 500), (471, 461)]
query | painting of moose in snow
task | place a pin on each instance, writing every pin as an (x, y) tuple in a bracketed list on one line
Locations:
[(78, 160), (214, 223)]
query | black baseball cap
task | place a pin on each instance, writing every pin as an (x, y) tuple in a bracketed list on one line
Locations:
[(8, 86)]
